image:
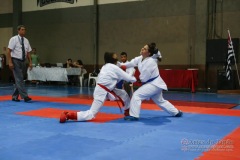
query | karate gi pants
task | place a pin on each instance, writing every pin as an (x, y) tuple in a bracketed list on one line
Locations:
[(146, 92), (100, 95)]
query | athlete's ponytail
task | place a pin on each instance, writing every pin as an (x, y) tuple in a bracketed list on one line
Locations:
[(152, 49)]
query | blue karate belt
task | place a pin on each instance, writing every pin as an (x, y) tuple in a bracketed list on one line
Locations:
[(150, 80), (119, 84)]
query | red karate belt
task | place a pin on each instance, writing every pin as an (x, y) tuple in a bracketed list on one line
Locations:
[(115, 95)]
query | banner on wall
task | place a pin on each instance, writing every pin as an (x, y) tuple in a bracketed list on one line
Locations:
[(46, 2), (37, 5)]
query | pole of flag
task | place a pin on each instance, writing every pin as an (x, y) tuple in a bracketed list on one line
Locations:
[(229, 57)]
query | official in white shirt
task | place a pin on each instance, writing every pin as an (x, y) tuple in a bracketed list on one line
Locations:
[(18, 51)]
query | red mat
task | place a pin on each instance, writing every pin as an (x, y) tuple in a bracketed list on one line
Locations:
[(227, 148), (82, 99), (191, 107), (177, 103), (198, 104), (55, 113)]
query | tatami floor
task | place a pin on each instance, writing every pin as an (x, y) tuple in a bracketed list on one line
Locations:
[(209, 128)]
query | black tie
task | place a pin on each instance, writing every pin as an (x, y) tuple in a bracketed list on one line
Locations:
[(23, 50)]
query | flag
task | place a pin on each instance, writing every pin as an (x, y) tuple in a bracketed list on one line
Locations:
[(230, 55)]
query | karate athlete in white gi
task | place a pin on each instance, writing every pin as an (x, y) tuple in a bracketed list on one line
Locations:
[(152, 86), (110, 74)]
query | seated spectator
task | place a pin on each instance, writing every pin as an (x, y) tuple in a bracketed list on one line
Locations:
[(68, 64), (78, 64), (96, 71), (0, 63)]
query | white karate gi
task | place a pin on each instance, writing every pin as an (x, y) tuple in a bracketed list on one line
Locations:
[(148, 69), (109, 76), (130, 70)]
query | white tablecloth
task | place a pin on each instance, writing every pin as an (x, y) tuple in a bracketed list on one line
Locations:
[(73, 71), (52, 74)]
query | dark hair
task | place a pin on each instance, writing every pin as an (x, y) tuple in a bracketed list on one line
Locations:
[(20, 26), (124, 54), (69, 59), (79, 62), (152, 48), (108, 57)]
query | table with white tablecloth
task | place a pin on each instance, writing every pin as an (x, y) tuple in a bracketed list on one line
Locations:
[(52, 74)]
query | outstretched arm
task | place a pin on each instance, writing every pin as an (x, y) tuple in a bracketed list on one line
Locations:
[(125, 76), (132, 63)]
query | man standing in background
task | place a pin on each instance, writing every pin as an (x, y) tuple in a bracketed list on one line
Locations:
[(123, 84), (18, 50)]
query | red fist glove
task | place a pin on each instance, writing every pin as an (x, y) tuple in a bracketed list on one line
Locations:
[(123, 67)]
